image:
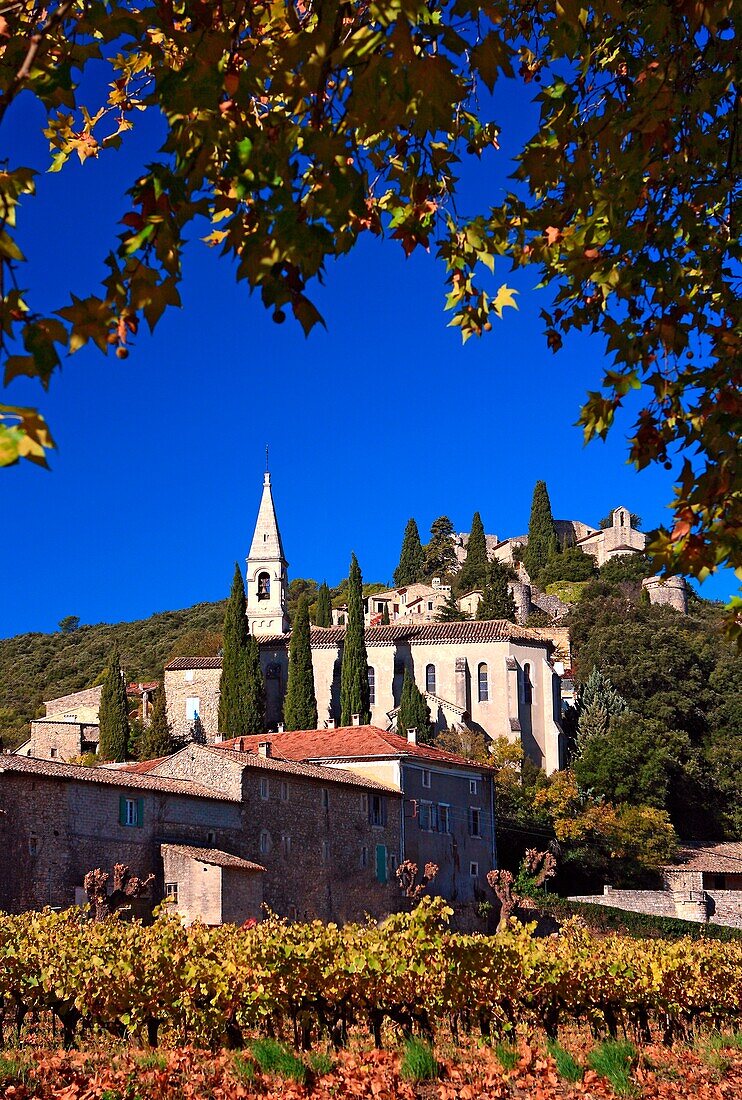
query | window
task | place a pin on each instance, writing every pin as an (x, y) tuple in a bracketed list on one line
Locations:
[(444, 818), (265, 842), (264, 789), (284, 791), (430, 605), (377, 809), (426, 777), (381, 862), (430, 679), (428, 817), (474, 870), (472, 786), (171, 892), (364, 804), (211, 837), (131, 811), (475, 821), (379, 606), (483, 683), (395, 607), (264, 586), (393, 863), (53, 753), (325, 851), (527, 686), (33, 845), (193, 706), (371, 685), (188, 675), (286, 844), (325, 798), (364, 856)]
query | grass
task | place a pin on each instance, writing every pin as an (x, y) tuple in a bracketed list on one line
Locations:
[(567, 1066), (12, 1070), (243, 1069), (419, 1062), (507, 1055), (613, 1059), (273, 1057), (321, 1063), (151, 1060)]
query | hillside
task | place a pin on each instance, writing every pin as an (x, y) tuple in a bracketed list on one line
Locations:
[(34, 667)]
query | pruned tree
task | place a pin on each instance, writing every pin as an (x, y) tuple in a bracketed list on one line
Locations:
[(126, 887), (407, 876)]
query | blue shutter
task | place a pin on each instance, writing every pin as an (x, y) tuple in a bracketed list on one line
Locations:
[(381, 862), (122, 809)]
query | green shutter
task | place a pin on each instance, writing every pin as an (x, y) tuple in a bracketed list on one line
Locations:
[(140, 812), (122, 809), (381, 862)]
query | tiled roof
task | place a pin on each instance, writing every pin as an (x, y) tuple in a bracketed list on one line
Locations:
[(349, 743), (286, 764), (724, 858), (472, 630), (141, 767), (212, 856), (78, 716), (50, 769), (137, 689)]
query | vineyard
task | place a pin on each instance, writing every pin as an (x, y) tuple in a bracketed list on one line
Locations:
[(306, 983)]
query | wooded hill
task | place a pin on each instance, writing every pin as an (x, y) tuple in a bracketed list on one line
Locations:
[(34, 667)]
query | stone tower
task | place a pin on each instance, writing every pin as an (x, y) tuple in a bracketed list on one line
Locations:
[(266, 575), (667, 592)]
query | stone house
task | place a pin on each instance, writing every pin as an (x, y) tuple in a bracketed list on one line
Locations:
[(307, 833), (703, 884), (447, 807), (418, 603)]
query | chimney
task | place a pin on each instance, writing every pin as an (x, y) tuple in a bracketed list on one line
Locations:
[(412, 736), (218, 738), (355, 719), (264, 748), (241, 745), (330, 724), (280, 727)]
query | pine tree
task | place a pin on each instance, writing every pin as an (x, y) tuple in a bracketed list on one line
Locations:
[(354, 691), (113, 715), (450, 612), (440, 556), (473, 573), (413, 712), (157, 738), (255, 702), (324, 606), (300, 704), (497, 601), (233, 685), (543, 543), (599, 703), (411, 559)]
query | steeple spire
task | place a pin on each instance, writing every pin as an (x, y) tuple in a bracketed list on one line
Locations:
[(267, 580)]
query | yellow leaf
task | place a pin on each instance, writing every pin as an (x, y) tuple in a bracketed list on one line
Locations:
[(504, 297)]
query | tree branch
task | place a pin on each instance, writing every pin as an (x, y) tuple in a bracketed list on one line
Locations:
[(33, 48)]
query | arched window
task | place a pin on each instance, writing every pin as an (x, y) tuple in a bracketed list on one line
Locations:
[(430, 679), (483, 683), (264, 586), (527, 686), (371, 685)]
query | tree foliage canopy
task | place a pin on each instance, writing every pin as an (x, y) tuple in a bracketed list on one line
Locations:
[(300, 704), (113, 715), (411, 557), (473, 573), (354, 687), (294, 129)]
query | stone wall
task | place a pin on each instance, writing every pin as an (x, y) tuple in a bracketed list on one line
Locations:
[(667, 592), (725, 907), (201, 684), (62, 741), (88, 697), (717, 906)]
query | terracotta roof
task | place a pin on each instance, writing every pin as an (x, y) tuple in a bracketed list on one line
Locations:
[(472, 630), (138, 689), (286, 764), (723, 858), (349, 743), (141, 767), (50, 769), (212, 856)]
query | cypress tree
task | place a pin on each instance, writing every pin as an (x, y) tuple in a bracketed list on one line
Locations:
[(255, 700), (354, 692), (411, 559), (324, 606), (300, 704), (413, 712), (440, 556), (385, 620), (497, 602), (542, 537), (473, 573), (113, 715), (233, 685), (157, 738)]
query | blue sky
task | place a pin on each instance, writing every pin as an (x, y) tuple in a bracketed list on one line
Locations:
[(155, 486)]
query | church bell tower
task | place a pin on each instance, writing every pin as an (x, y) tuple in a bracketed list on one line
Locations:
[(267, 571)]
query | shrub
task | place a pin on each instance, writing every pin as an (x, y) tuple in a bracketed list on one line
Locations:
[(613, 1059), (273, 1057), (419, 1062), (567, 1066)]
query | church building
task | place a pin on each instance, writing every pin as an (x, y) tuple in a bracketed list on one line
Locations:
[(491, 676)]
